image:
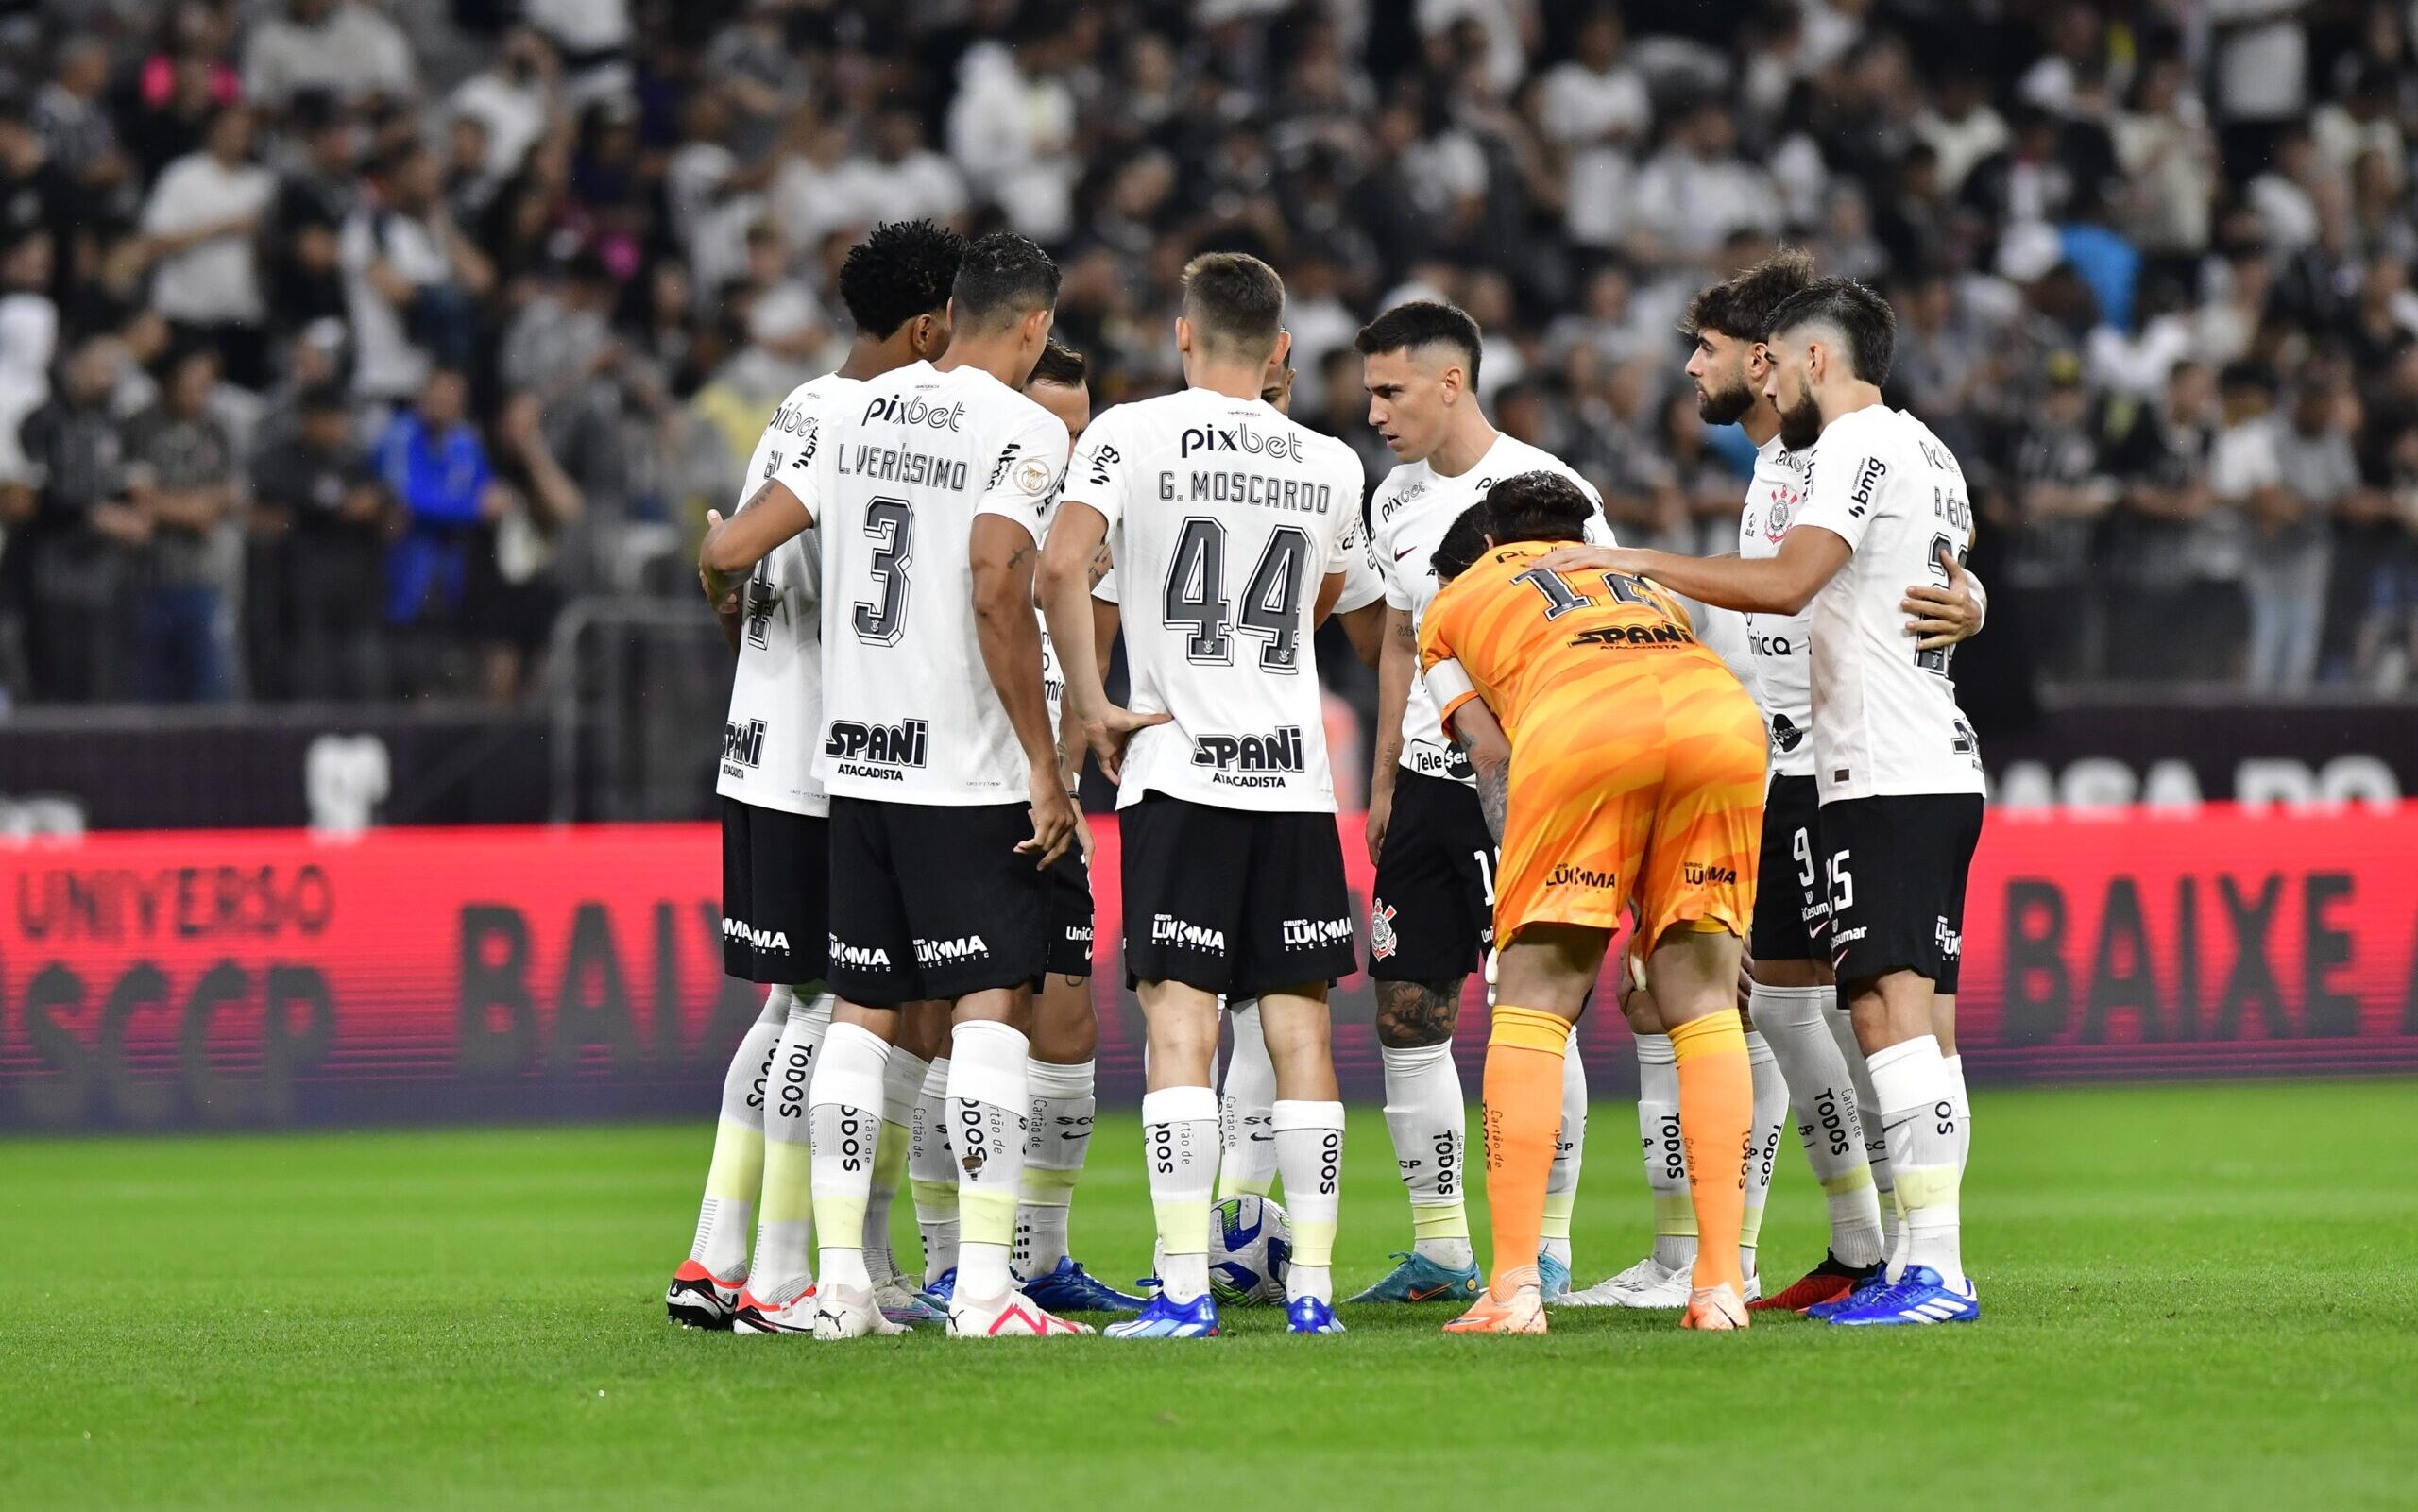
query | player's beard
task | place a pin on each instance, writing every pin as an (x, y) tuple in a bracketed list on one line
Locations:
[(1724, 406), (1801, 424)]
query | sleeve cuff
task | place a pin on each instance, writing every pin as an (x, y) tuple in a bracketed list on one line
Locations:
[(1451, 684)]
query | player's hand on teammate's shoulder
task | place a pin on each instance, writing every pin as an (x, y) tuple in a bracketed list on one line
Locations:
[(1106, 732), (1053, 820), (1943, 615), (1594, 559)]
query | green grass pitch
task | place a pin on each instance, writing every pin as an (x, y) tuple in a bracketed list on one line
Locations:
[(2194, 1298)]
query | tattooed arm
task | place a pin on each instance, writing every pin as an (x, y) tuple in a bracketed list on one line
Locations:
[(1477, 732)]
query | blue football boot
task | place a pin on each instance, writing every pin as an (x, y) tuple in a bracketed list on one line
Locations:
[(939, 1290), (1070, 1288), (1553, 1279), (1918, 1297), (1418, 1278), (1163, 1319), (1307, 1314)]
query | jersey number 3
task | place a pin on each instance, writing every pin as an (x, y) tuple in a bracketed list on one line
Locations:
[(1195, 598), (890, 523)]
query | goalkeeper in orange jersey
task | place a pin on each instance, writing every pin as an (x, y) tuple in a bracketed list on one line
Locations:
[(1617, 760)]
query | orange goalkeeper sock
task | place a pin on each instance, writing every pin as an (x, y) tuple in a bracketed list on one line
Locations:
[(1523, 1121), (1716, 1123)]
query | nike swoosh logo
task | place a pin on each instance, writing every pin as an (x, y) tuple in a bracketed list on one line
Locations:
[(1405, 551), (1428, 1294)]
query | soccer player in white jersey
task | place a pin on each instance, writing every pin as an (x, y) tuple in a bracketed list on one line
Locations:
[(1247, 1094), (1229, 525), (775, 835), (1896, 768), (1431, 911), (946, 802)]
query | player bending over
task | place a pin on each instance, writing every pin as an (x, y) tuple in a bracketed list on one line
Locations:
[(775, 830), (1430, 912), (946, 804), (1229, 524), (1897, 769), (1634, 767)]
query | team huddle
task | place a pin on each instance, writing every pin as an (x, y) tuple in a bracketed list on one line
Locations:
[(938, 549)]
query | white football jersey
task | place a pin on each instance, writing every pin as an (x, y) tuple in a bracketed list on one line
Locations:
[(1781, 643), (1412, 510), (1885, 719), (776, 722), (894, 485), (1226, 517)]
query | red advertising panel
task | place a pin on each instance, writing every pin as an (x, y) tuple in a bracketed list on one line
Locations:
[(252, 978)]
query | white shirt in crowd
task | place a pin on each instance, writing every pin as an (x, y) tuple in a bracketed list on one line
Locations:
[(387, 362), (216, 280), (355, 52)]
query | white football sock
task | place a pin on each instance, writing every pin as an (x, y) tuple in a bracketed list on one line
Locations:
[(1062, 1106), (1309, 1150), (1964, 1102), (1426, 1117), (1569, 1155), (736, 1173), (1665, 1151), (1876, 1142), (844, 1110), (785, 1229), (1822, 1095), (1247, 1111), (1180, 1149), (932, 1173), (989, 1104), (902, 1082), (1912, 1083), (1770, 1124)]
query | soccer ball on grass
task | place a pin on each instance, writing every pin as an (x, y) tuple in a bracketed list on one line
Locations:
[(1251, 1244)]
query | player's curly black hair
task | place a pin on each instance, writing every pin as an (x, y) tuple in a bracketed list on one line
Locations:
[(1741, 307), (1527, 507), (904, 269)]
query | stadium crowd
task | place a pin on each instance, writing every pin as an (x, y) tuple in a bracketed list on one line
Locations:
[(342, 342)]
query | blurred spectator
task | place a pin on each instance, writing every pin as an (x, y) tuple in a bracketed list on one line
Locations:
[(514, 100), (2167, 616), (2059, 496), (180, 474), (78, 534), (411, 277), (203, 221), (1697, 191), (435, 468), (324, 515), (1012, 129), (344, 47)]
